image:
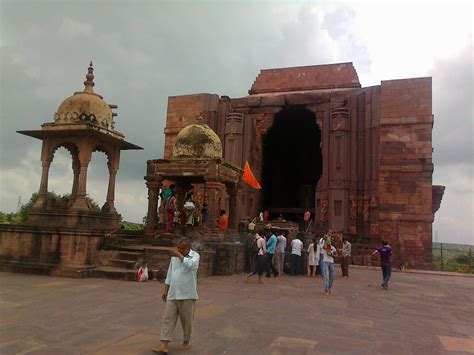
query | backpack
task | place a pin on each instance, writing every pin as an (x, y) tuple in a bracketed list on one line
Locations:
[(254, 249)]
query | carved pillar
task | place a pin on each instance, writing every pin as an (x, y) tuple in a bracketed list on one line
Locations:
[(213, 190), (232, 192), (84, 159), (43, 190), (46, 159), (339, 169), (153, 193), (109, 205), (180, 192), (76, 167), (233, 138)]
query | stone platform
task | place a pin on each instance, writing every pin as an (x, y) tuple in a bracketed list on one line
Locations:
[(419, 314)]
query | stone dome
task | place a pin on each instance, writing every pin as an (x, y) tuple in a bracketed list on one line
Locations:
[(197, 142), (85, 106)]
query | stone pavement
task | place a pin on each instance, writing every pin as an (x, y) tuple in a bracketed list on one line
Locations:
[(419, 314)]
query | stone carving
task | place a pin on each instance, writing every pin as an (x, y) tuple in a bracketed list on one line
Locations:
[(374, 202), (324, 209), (353, 207), (366, 209), (374, 229), (360, 206), (352, 229)]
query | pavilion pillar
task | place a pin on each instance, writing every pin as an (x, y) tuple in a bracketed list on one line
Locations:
[(151, 217), (232, 192), (180, 192), (213, 189), (109, 205), (76, 167), (46, 159), (80, 203)]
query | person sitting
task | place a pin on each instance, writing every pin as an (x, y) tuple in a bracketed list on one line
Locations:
[(223, 220)]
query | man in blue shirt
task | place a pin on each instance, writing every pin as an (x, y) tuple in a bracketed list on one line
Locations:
[(180, 294), (385, 262), (271, 248)]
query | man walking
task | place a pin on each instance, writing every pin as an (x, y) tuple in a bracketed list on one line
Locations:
[(180, 295), (271, 248), (280, 253), (346, 257), (385, 262), (296, 247)]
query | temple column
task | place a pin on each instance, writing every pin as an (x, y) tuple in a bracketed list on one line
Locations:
[(153, 193), (232, 192), (213, 189)]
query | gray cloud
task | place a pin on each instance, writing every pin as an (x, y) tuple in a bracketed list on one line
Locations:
[(453, 90)]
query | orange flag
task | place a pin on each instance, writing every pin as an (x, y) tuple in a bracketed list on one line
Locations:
[(249, 178)]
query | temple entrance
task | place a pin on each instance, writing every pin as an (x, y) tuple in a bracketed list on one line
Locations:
[(292, 163)]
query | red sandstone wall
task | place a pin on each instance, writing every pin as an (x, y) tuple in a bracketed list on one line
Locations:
[(405, 186), (183, 111)]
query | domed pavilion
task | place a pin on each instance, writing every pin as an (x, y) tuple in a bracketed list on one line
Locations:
[(83, 123)]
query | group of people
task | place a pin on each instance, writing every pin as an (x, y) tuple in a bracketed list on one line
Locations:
[(180, 291), (267, 255), (194, 211)]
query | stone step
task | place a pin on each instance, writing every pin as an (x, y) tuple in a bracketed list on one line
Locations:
[(126, 241), (116, 273), (129, 255), (125, 264)]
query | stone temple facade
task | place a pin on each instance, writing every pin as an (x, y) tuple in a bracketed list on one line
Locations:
[(359, 158)]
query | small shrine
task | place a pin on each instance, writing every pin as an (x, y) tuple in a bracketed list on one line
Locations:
[(197, 161)]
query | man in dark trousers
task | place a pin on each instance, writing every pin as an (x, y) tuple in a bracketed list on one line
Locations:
[(385, 262), (271, 248)]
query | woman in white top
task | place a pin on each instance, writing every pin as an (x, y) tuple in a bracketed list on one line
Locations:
[(328, 265), (313, 257)]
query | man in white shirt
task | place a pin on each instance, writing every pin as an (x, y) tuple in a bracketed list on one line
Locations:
[(180, 294), (296, 248), (280, 253)]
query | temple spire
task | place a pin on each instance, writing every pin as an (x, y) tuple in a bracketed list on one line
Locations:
[(89, 83)]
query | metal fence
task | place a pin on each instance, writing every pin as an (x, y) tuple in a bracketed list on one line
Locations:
[(453, 258)]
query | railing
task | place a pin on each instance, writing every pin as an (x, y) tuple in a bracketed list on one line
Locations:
[(447, 257)]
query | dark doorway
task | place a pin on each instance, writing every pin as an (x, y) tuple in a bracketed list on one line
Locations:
[(292, 163)]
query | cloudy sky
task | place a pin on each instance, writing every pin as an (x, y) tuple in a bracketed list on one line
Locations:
[(145, 51)]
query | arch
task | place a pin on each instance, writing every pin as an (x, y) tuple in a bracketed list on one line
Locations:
[(58, 175), (99, 175), (69, 146), (108, 153)]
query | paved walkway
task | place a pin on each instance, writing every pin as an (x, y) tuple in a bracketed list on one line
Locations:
[(419, 314)]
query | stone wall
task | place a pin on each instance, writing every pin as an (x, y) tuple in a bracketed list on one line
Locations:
[(182, 111), (59, 251), (405, 185)]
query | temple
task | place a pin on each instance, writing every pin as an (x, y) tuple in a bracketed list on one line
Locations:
[(359, 158)]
